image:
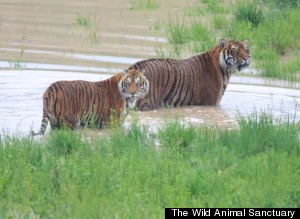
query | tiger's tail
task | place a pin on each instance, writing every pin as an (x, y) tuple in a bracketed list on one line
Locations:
[(47, 103), (43, 127)]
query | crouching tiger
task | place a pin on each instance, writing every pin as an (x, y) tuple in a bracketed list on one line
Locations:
[(82, 103)]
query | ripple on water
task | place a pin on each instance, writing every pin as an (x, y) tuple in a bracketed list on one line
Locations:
[(21, 101)]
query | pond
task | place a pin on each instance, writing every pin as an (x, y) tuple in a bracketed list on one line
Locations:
[(46, 41), (21, 101)]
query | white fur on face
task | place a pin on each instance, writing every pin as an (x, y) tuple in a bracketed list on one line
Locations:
[(131, 102), (231, 64), (132, 94)]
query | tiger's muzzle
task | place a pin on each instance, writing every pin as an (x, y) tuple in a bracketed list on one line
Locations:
[(244, 63)]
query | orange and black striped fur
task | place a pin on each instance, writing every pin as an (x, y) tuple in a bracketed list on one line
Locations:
[(199, 80), (83, 103)]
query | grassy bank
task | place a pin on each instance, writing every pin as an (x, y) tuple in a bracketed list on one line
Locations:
[(136, 174), (272, 28)]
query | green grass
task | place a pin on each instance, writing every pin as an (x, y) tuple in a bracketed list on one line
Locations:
[(196, 37), (18, 63), (275, 34), (202, 46), (127, 175), (176, 31), (156, 26), (215, 7), (145, 4), (199, 33), (201, 39), (174, 52), (82, 20), (219, 21), (93, 36), (272, 28), (276, 37), (269, 62), (192, 11), (249, 12), (271, 31), (90, 25), (283, 4), (277, 30)]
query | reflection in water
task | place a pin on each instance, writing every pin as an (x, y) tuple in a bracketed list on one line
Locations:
[(21, 101)]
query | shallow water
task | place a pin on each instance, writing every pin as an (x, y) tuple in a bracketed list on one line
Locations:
[(43, 39), (21, 101)]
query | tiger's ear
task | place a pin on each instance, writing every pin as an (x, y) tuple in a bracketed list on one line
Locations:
[(124, 71), (245, 41), (222, 43)]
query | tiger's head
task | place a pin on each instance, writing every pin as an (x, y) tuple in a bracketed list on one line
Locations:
[(133, 86), (234, 55)]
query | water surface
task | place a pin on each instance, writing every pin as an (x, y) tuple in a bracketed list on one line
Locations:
[(21, 101), (42, 42)]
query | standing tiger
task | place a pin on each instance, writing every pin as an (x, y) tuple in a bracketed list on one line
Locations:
[(199, 80), (83, 103)]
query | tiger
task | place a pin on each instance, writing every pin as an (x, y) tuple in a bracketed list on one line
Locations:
[(79, 103), (199, 80)]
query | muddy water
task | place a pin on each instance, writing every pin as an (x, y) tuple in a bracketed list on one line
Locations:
[(21, 101), (42, 39)]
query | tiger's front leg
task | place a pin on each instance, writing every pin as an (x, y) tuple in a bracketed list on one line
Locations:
[(67, 122), (145, 104)]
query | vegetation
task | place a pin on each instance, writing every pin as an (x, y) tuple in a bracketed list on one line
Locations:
[(145, 4), (18, 63), (82, 20), (136, 174), (272, 28), (249, 13), (176, 32), (90, 25)]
